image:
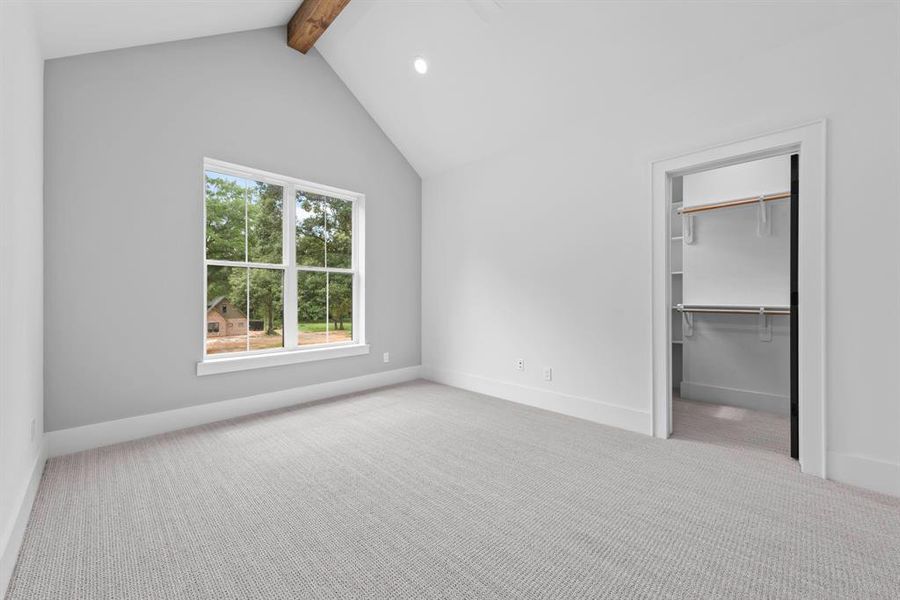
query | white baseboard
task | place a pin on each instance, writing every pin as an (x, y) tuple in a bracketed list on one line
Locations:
[(862, 471), (702, 392), (574, 406), (10, 550), (76, 439)]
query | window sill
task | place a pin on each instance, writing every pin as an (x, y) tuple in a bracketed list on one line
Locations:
[(212, 366)]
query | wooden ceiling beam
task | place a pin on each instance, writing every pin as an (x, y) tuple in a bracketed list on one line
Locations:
[(310, 21)]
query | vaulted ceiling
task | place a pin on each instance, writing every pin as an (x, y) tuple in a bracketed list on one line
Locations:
[(69, 27), (500, 71)]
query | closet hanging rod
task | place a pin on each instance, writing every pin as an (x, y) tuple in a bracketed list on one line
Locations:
[(733, 310), (732, 203)]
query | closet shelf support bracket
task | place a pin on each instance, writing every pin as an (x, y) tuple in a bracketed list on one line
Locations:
[(764, 218), (687, 324), (687, 228), (765, 326)]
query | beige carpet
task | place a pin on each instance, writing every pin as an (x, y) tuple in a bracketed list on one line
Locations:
[(425, 491)]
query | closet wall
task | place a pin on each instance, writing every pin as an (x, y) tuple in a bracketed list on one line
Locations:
[(728, 262)]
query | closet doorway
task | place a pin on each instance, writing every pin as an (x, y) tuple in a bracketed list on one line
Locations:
[(738, 294), (733, 287)]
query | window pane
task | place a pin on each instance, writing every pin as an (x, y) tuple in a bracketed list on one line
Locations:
[(312, 307), (266, 309), (310, 229), (226, 310), (339, 238), (324, 231), (225, 222), (264, 222), (340, 307)]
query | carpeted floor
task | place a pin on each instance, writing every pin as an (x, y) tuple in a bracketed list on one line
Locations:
[(424, 491), (749, 430)]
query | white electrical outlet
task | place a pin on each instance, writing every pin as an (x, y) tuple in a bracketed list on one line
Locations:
[(520, 364), (387, 357), (548, 374)]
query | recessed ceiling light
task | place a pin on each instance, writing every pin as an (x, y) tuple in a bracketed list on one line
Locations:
[(420, 65)]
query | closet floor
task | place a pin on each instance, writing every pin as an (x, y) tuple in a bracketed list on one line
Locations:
[(730, 426)]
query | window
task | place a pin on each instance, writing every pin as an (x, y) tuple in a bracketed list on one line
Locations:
[(283, 269)]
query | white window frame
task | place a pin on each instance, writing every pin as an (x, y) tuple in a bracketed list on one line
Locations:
[(291, 352)]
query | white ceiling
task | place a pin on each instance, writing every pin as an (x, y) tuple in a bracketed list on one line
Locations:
[(504, 70), (69, 27), (500, 70)]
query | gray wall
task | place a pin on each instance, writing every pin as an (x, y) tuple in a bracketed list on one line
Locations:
[(126, 132)]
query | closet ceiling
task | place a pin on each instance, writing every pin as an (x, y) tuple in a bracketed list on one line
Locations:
[(500, 71)]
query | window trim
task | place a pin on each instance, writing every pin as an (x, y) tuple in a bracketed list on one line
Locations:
[(291, 352)]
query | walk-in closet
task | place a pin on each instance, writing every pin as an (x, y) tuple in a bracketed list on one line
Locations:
[(732, 268)]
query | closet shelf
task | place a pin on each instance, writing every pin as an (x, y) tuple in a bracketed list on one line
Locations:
[(677, 238), (732, 203), (677, 272), (677, 341)]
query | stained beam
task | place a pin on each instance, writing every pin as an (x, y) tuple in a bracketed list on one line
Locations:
[(310, 22)]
